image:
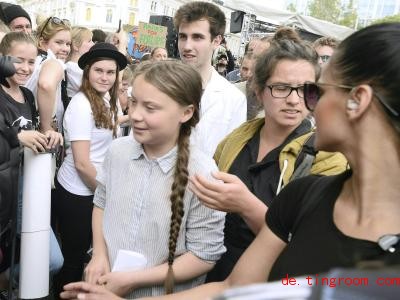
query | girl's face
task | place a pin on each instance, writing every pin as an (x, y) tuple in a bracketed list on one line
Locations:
[(286, 112), (26, 52), (155, 118), (87, 43), (102, 75), (59, 44), (160, 54)]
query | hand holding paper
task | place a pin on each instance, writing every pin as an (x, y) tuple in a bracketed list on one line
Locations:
[(129, 261)]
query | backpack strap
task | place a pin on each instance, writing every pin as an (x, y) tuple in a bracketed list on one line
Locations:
[(305, 159), (64, 94)]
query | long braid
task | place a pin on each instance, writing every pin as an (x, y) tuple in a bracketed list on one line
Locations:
[(177, 210)]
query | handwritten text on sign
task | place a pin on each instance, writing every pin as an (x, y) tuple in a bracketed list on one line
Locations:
[(151, 35)]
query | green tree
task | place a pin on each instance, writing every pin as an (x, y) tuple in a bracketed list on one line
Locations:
[(388, 19), (349, 16), (328, 10), (291, 8)]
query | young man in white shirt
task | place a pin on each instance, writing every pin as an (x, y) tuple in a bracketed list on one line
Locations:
[(200, 27)]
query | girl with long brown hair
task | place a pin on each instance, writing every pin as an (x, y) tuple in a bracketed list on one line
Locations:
[(90, 122), (142, 202)]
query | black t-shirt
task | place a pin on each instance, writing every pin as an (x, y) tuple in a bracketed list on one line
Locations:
[(20, 115), (261, 178), (317, 245)]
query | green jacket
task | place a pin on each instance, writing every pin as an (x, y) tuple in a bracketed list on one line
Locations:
[(325, 163)]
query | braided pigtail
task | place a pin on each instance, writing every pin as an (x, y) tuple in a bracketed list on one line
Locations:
[(177, 210)]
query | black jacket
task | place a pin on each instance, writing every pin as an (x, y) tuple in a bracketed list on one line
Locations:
[(9, 167)]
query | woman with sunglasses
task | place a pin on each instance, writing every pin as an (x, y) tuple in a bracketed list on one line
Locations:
[(54, 45), (259, 158), (259, 155)]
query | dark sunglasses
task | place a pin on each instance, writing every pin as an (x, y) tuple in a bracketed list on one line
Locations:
[(56, 21), (324, 58), (312, 93)]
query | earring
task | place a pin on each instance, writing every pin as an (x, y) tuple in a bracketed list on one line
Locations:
[(352, 104)]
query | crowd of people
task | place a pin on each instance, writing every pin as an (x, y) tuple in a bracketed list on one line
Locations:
[(218, 177)]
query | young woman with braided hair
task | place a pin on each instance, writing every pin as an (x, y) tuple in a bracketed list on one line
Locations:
[(142, 202)]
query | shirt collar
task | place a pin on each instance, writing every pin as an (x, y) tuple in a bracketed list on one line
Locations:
[(215, 82), (166, 162)]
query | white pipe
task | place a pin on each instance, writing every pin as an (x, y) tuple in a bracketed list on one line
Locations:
[(35, 233)]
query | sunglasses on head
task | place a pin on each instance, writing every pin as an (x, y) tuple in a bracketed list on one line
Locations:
[(56, 21)]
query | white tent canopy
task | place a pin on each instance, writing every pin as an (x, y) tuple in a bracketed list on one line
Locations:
[(266, 13)]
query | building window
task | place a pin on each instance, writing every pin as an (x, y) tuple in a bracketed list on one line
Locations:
[(109, 16), (88, 14), (153, 6), (131, 19)]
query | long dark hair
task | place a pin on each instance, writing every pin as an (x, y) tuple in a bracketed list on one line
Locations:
[(104, 117), (372, 56)]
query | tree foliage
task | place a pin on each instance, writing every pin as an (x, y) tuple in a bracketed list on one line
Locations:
[(328, 10), (388, 19), (291, 8), (331, 11), (349, 16)]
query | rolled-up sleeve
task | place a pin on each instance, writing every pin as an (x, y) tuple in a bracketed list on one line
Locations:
[(205, 231), (204, 226)]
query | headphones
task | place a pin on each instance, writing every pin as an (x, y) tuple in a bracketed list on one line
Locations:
[(352, 104)]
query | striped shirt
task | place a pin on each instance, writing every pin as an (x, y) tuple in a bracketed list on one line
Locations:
[(134, 192)]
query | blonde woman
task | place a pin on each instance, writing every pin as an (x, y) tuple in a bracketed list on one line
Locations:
[(54, 45), (81, 43)]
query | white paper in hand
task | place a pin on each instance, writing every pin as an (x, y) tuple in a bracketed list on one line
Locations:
[(129, 261)]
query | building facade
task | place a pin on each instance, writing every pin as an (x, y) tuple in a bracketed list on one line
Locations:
[(104, 14), (370, 10)]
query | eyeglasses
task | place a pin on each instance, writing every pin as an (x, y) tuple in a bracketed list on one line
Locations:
[(56, 21), (324, 58), (284, 90), (312, 93)]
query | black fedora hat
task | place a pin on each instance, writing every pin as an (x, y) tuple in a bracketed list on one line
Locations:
[(103, 50)]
